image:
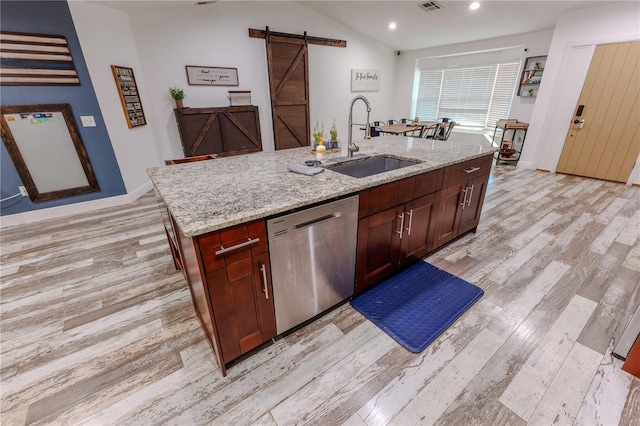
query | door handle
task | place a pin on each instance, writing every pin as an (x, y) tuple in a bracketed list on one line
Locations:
[(580, 122), (410, 221), (401, 231), (470, 196), (265, 288), (464, 199)]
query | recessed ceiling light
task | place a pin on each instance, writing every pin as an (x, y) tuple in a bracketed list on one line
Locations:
[(474, 5), (392, 26)]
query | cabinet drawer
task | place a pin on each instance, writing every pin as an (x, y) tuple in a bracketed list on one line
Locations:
[(428, 183), (462, 172), (382, 197), (233, 244)]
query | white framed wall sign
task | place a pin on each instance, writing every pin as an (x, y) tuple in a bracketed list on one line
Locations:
[(365, 80)]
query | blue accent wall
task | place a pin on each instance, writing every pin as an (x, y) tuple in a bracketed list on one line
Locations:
[(54, 17)]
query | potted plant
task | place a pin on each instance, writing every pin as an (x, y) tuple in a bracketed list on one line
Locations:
[(536, 66), (318, 132), (178, 95), (530, 92), (333, 132)]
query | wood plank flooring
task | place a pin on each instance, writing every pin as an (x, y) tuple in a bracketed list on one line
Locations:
[(97, 328)]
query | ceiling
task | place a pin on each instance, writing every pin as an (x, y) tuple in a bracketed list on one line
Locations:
[(417, 28)]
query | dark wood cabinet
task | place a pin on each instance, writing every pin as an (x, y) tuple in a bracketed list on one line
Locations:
[(378, 247), (395, 227), (223, 131), (230, 280), (459, 203), (419, 226)]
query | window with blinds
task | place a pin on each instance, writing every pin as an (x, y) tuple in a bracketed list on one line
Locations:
[(475, 96)]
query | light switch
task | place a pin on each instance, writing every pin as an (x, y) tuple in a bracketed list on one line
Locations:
[(88, 121)]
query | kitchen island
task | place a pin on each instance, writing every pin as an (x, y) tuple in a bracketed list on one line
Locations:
[(218, 208)]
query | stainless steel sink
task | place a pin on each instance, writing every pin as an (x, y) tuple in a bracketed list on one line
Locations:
[(371, 166)]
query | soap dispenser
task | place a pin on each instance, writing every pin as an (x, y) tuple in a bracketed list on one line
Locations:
[(321, 150)]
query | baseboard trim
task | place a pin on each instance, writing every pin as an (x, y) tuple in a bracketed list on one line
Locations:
[(543, 170), (71, 209), (525, 165)]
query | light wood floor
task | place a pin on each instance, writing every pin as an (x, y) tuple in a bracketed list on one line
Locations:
[(99, 329)]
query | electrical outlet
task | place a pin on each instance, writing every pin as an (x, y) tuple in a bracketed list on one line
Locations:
[(88, 121), (23, 191)]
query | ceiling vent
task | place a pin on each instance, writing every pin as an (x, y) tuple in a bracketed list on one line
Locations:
[(430, 6)]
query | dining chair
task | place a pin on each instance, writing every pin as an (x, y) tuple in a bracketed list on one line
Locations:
[(406, 120), (445, 130), (374, 128), (390, 122), (431, 131), (448, 130)]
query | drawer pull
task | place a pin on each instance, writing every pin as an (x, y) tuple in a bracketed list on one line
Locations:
[(265, 288), (237, 246), (471, 170)]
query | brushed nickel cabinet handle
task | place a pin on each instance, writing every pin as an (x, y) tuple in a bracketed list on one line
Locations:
[(401, 231), (237, 246), (265, 288), (470, 196), (410, 221), (471, 170), (464, 199)]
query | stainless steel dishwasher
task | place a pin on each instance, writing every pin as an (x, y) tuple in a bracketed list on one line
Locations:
[(313, 257)]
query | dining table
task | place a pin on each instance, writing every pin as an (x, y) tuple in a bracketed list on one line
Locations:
[(404, 128)]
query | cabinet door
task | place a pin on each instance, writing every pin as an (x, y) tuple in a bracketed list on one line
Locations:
[(244, 316), (448, 207), (419, 226), (378, 247), (473, 197)]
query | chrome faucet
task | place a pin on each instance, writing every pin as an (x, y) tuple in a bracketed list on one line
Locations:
[(352, 147)]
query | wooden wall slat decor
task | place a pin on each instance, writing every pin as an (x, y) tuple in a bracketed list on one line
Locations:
[(35, 60)]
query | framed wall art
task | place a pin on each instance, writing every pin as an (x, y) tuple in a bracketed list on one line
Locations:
[(211, 76), (129, 96), (365, 80)]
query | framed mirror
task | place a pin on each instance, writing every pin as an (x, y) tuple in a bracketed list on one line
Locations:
[(45, 146)]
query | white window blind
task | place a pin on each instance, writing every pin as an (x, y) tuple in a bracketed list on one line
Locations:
[(503, 90), (475, 96), (429, 95), (466, 94)]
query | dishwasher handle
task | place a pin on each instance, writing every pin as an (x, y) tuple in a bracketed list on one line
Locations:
[(317, 220)]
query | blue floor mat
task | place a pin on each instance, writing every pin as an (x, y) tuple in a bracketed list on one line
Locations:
[(417, 305)]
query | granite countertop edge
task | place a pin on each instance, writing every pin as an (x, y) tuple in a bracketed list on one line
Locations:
[(211, 195)]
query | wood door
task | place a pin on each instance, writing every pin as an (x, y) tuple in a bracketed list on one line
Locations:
[(607, 145), (448, 208), (419, 227), (378, 247), (287, 60), (470, 215)]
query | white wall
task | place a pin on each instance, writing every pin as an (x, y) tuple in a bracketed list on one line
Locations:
[(615, 22), (536, 43), (106, 39), (218, 35)]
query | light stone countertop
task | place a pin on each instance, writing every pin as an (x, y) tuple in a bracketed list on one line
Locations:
[(206, 196)]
